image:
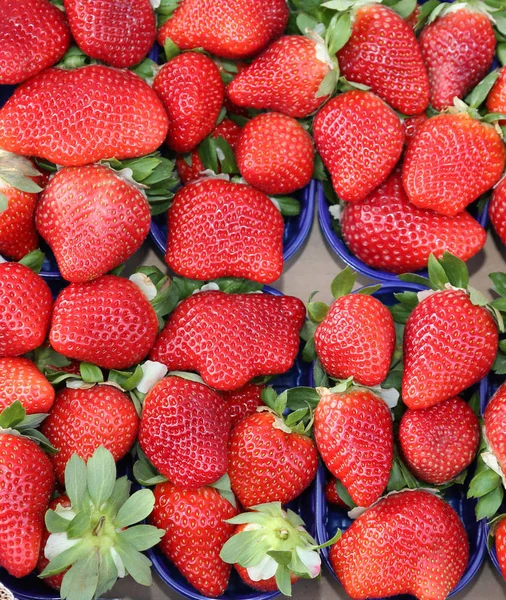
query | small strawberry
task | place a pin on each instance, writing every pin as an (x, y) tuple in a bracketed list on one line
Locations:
[(496, 100), (21, 380), (243, 402), (360, 140), (497, 210), (331, 494), (500, 545)]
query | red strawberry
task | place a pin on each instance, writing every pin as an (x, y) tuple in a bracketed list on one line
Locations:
[(184, 432), (360, 140), (438, 443), (196, 529), (383, 54), (412, 20), (353, 432), (107, 322), (264, 585), (451, 161), (496, 100), (387, 232), (21, 380), (500, 546), (285, 78), (409, 543), (98, 111), (33, 36), (243, 402), (192, 92), (331, 494), (494, 426), (119, 32), (25, 309), (92, 219), (275, 154), (233, 29), (458, 49), (412, 125), (497, 210), (449, 344), (231, 338)]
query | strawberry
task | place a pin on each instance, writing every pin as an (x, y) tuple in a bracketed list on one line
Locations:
[(217, 228), (33, 36), (331, 495), (92, 219), (25, 309), (412, 125), (458, 49), (500, 546), (496, 100), (387, 232), (120, 33), (107, 322), (184, 431), (409, 543), (286, 78), (412, 19), (451, 161), (21, 380), (438, 443), (196, 529), (497, 210), (101, 113), (360, 140), (494, 426), (243, 402), (275, 154), (235, 29), (231, 338), (353, 432), (84, 419), (192, 92)]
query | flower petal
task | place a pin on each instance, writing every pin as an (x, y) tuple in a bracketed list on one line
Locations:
[(265, 569), (310, 558)]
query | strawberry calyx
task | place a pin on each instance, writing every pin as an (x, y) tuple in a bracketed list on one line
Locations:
[(15, 421), (488, 483), (292, 409), (16, 172), (33, 260), (342, 386)]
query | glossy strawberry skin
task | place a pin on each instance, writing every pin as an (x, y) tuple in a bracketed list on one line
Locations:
[(118, 32), (412, 125), (439, 442), (494, 425), (356, 339), (383, 54), (82, 116), (458, 49), (184, 432), (497, 210), (107, 322), (375, 556), (449, 344), (195, 527), (33, 36), (451, 161), (353, 432), (496, 100), (387, 232), (25, 309), (18, 235), (84, 419), (500, 546), (243, 402), (21, 380), (26, 485), (92, 219), (231, 338), (192, 92), (360, 140)]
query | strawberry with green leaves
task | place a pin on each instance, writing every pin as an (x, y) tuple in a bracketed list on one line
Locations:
[(496, 100), (21, 380)]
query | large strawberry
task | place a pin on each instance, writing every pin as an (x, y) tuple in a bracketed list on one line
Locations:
[(409, 543), (217, 228), (118, 32), (497, 209), (21, 380), (243, 402), (98, 111), (33, 36), (496, 100), (360, 140)]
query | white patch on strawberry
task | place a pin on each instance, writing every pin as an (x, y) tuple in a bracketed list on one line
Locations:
[(265, 569), (78, 384), (144, 283), (335, 211), (321, 50), (152, 372), (9, 431), (58, 543), (128, 175), (210, 174), (278, 422), (424, 294), (275, 202), (207, 287), (311, 559)]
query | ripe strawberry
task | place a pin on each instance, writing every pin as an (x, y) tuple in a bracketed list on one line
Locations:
[(184, 432), (449, 344), (192, 92), (376, 556), (285, 78), (92, 219), (500, 546), (494, 426), (331, 494), (217, 228), (438, 443), (196, 529), (264, 585), (451, 161), (412, 125), (497, 210), (496, 100), (458, 49), (353, 432), (119, 32), (360, 140), (84, 419), (233, 29), (33, 36), (387, 232), (107, 322), (100, 113), (383, 53), (243, 402), (275, 154), (21, 380), (412, 20), (25, 309), (231, 338)]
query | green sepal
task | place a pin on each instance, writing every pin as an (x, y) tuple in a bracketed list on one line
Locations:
[(283, 580), (146, 69), (14, 417), (479, 94), (224, 488), (455, 270), (4, 203), (317, 311), (144, 471), (343, 493), (343, 283), (228, 164), (170, 49), (494, 117), (320, 377), (338, 32), (33, 260), (80, 523), (329, 84), (75, 58), (483, 483), (426, 10), (55, 523), (119, 496), (65, 559), (165, 10), (501, 53), (107, 574), (101, 479), (474, 404), (301, 397), (304, 23), (138, 507), (404, 8), (368, 290), (499, 281), (437, 273), (81, 580), (288, 207), (91, 373), (141, 537), (488, 505), (126, 379), (414, 278)]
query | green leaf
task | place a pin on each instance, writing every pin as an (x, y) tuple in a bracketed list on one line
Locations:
[(80, 524), (288, 207), (305, 22), (328, 84), (171, 49), (483, 483), (301, 397), (55, 523), (404, 8), (501, 53), (477, 298), (342, 492), (245, 548), (492, 117), (414, 278), (499, 304), (207, 154), (40, 439), (76, 480), (138, 565), (408, 299), (339, 5), (227, 163), (18, 180), (119, 496), (80, 581), (33, 260), (479, 94), (283, 580), (488, 505), (107, 574), (368, 290), (338, 32), (91, 373), (101, 476), (400, 313), (500, 22), (474, 403), (280, 556), (4, 203), (455, 269), (437, 274), (66, 558), (343, 283), (127, 380), (499, 365), (317, 311), (136, 508), (309, 351), (499, 281), (320, 377), (141, 537), (146, 69), (12, 415)]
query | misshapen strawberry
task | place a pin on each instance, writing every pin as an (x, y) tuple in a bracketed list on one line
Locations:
[(21, 380)]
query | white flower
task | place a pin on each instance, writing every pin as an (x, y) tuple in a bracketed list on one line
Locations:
[(311, 559), (144, 283), (265, 569), (152, 372)]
